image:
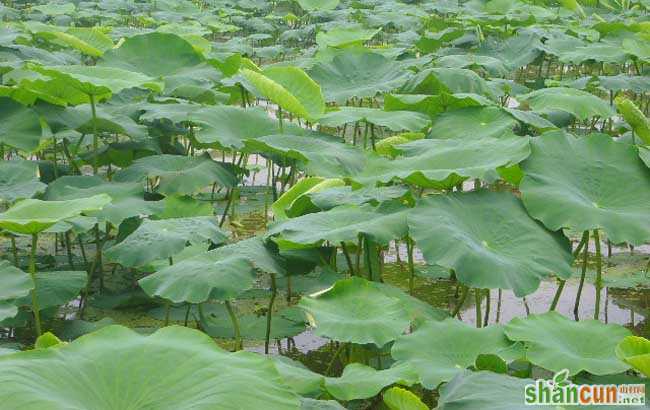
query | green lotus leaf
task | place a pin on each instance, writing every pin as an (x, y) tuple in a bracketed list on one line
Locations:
[(359, 381), (296, 200), (221, 274), (178, 361), (90, 41), (434, 81), (31, 216), (323, 155), (314, 5), (98, 81), (54, 289), (432, 105), (153, 54), (439, 350), (179, 174), (287, 322), (343, 36), (443, 163), (20, 127), (18, 180), (483, 390), (530, 118), (578, 103), (397, 398), (360, 75), (164, 238), (635, 117), (15, 284), (290, 88), (584, 194), (356, 311), (472, 123), (480, 235), (393, 120), (327, 197), (296, 375), (342, 224), (492, 65), (555, 342), (635, 351), (644, 154), (313, 404), (126, 197), (231, 126)]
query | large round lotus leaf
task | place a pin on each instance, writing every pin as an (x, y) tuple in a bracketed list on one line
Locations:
[(231, 126), (154, 54), (483, 390), (635, 351), (341, 36), (290, 88), (356, 311), (472, 123), (489, 240), (344, 223), (164, 238), (644, 154), (297, 376), (584, 183), (581, 104), (439, 350), (179, 174), (443, 163), (336, 194), (126, 197), (555, 342), (19, 180), (323, 155), (174, 368), (359, 381), (20, 126), (56, 288), (447, 80), (433, 105), (221, 274), (360, 75), (32, 216), (492, 65), (288, 322), (313, 5), (99, 81), (15, 284), (393, 120), (89, 41), (397, 398)]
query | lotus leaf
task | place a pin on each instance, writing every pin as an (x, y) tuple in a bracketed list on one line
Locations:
[(556, 342), (576, 183), (439, 350), (356, 311), (480, 235)]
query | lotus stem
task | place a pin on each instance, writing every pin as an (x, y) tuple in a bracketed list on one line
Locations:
[(280, 123), (230, 193), (576, 252), (14, 250), (409, 250), (32, 273), (463, 297), (347, 257), (187, 314), (499, 295), (235, 325), (487, 308), (68, 248), (585, 256), (334, 357), (478, 300), (599, 273), (269, 313), (95, 136)]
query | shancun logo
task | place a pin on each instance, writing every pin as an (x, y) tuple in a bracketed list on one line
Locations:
[(561, 391)]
